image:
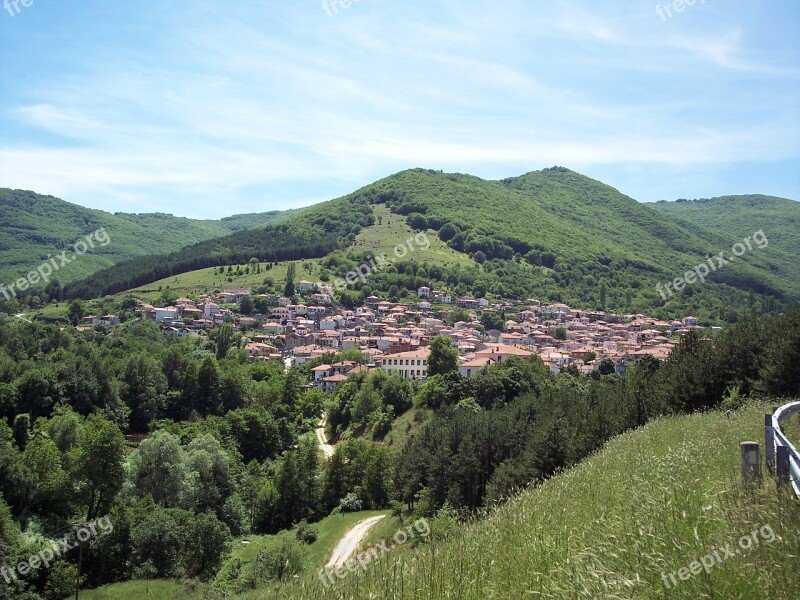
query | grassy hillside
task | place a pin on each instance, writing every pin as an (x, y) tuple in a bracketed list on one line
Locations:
[(651, 502), (33, 226), (552, 234)]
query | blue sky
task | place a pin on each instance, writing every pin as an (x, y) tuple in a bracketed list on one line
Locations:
[(209, 108)]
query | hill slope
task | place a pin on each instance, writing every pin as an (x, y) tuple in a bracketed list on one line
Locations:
[(646, 504), (553, 234), (740, 216), (33, 226)]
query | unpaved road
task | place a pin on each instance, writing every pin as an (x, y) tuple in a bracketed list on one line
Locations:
[(327, 449), (350, 542)]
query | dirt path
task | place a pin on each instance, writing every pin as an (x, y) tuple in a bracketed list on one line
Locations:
[(327, 449), (350, 542)]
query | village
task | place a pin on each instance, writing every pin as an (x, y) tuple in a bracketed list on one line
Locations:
[(395, 335)]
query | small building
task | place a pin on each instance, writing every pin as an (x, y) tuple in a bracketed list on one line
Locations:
[(409, 365)]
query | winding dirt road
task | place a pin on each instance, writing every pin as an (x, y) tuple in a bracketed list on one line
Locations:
[(350, 542)]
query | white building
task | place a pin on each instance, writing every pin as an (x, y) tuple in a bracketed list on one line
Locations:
[(170, 313), (409, 365)]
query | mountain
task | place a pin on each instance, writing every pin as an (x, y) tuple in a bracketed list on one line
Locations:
[(33, 226), (553, 234), (739, 216)]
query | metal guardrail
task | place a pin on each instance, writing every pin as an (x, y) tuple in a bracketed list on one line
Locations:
[(782, 457)]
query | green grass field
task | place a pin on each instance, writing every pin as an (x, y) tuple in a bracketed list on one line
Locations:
[(391, 230), (211, 280), (130, 590)]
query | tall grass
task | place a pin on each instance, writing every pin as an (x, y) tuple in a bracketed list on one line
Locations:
[(651, 502)]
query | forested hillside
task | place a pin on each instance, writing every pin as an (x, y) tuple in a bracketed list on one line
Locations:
[(33, 226), (553, 234)]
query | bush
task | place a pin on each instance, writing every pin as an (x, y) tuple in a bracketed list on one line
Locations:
[(350, 503), (305, 533), (281, 562)]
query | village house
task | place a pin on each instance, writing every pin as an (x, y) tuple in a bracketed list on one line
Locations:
[(303, 285), (234, 295), (109, 320), (169, 313), (409, 365)]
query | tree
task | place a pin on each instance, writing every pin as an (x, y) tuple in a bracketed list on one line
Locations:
[(158, 541), (246, 306), (288, 289), (208, 483), (144, 386), (22, 430), (97, 465), (443, 357), (491, 320), (75, 312), (280, 562), (224, 338), (51, 493), (606, 367), (157, 468), (61, 581), (207, 401), (560, 333), (417, 221), (64, 428), (210, 542), (448, 232)]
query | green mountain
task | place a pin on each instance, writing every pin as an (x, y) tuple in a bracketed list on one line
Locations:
[(553, 234), (740, 216), (33, 227)]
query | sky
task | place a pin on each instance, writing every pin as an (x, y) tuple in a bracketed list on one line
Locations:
[(208, 108)]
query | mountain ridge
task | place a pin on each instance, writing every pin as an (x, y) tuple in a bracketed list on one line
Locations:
[(34, 225)]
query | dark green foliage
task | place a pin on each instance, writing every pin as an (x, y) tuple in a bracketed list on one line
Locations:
[(530, 426), (443, 356), (362, 469), (606, 367)]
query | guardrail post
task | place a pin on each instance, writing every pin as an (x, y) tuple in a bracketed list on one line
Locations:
[(769, 444), (782, 465), (751, 462)]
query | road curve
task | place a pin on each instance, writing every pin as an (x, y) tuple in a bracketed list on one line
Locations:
[(350, 542), (327, 449)]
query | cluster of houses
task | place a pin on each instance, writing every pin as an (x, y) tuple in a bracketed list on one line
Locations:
[(395, 336)]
